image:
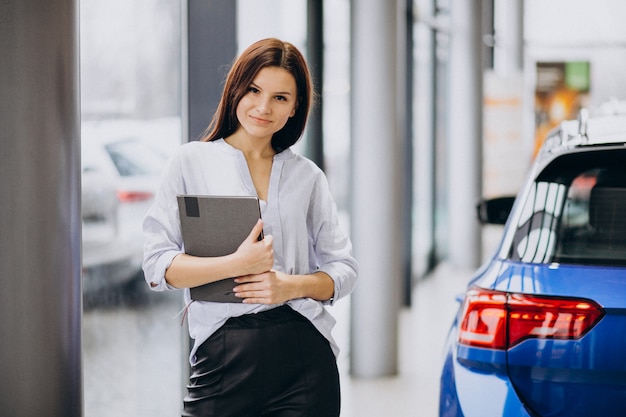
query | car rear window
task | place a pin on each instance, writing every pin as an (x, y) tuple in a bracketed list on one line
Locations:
[(575, 215)]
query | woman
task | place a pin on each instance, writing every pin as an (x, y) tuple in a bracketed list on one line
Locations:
[(272, 354)]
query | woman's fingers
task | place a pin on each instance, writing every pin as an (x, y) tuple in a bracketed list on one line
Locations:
[(256, 231)]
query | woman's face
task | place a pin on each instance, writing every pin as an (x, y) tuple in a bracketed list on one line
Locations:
[(269, 103)]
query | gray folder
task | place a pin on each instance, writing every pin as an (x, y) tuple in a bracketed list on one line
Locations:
[(216, 226)]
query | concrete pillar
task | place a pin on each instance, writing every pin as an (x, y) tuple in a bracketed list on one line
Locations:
[(376, 189), (40, 220), (209, 48), (509, 36), (464, 145)]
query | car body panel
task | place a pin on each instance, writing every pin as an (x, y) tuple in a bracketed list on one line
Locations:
[(572, 374), (473, 384), (608, 288)]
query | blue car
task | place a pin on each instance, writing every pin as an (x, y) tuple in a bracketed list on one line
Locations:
[(541, 328)]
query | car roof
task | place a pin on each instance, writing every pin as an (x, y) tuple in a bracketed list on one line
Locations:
[(586, 131)]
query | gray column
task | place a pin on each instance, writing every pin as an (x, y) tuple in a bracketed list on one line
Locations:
[(211, 47), (465, 132), (405, 109), (315, 58), (40, 226), (376, 189)]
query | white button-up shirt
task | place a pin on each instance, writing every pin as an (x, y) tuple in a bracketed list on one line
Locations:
[(299, 213)]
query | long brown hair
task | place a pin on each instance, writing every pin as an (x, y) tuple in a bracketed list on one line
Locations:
[(269, 52)]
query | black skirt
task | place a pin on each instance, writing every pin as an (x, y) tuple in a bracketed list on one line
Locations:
[(273, 363)]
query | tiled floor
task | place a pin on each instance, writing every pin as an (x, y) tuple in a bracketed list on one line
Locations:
[(423, 328)]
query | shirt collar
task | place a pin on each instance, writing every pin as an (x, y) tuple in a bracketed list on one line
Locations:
[(284, 155)]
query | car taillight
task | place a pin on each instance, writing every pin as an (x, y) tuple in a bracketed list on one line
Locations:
[(500, 320), (133, 196), (484, 319)]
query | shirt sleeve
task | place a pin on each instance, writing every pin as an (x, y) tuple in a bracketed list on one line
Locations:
[(331, 244), (161, 227)]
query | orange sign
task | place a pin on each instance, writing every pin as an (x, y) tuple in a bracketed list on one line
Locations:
[(561, 90)]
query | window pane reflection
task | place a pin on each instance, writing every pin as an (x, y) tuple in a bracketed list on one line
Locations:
[(130, 109)]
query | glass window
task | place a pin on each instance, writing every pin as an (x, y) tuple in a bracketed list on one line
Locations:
[(574, 212), (593, 228), (535, 237), (131, 120)]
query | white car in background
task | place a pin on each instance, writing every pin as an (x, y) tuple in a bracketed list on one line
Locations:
[(121, 165)]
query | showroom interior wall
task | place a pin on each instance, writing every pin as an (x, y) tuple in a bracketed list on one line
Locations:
[(40, 226)]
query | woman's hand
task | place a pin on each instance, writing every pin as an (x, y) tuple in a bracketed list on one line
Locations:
[(271, 287), (256, 256), (275, 287)]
